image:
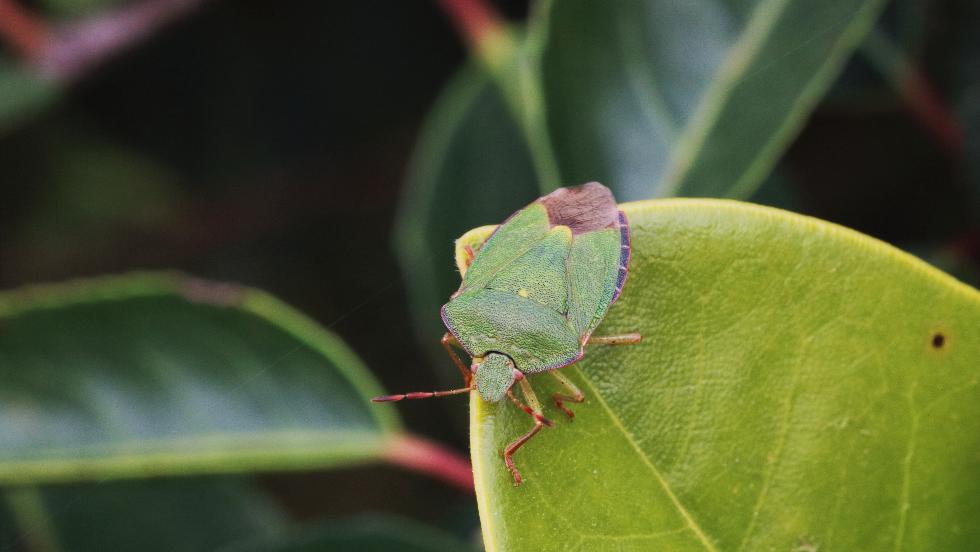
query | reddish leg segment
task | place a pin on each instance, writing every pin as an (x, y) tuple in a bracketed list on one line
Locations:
[(447, 341), (574, 393), (539, 421), (421, 395)]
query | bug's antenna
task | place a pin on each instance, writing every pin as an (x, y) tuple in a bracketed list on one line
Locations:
[(422, 395)]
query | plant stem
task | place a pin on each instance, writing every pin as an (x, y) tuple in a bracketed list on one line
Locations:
[(912, 85), (66, 52), (475, 20), (514, 69), (421, 455)]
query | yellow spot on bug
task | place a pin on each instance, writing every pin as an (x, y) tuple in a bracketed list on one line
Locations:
[(522, 293)]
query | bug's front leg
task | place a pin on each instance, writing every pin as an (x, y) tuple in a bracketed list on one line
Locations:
[(622, 339), (448, 340), (539, 421), (574, 393)]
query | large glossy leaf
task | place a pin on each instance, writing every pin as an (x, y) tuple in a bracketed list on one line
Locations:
[(22, 94), (675, 97), (163, 374), (798, 386)]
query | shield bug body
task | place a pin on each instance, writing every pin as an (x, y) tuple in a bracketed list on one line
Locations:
[(532, 296)]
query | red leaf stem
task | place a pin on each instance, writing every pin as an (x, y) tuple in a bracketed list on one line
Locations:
[(475, 20), (420, 455), (22, 30)]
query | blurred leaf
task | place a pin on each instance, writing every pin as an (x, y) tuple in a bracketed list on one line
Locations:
[(95, 182), (688, 98), (22, 95), (95, 190), (471, 167), (799, 386), (364, 534), (69, 9), (155, 374), (179, 514), (94, 201), (8, 525), (859, 86)]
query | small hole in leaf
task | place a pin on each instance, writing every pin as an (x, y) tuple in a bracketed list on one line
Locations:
[(938, 340)]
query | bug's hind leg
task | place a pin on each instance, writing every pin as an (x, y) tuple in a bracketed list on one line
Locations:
[(623, 339), (534, 410), (448, 340), (574, 393)]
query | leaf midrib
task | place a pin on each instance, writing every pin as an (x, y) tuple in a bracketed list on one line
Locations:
[(278, 450), (692, 524)]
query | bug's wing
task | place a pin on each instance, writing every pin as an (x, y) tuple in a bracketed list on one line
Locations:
[(597, 268), (512, 239), (536, 337), (581, 209), (540, 273)]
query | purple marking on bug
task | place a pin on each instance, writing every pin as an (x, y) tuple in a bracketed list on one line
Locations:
[(625, 253)]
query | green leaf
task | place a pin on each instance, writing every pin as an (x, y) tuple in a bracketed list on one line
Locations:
[(799, 386), (22, 95), (688, 98), (160, 514), (8, 524), (154, 374), (74, 9), (365, 533)]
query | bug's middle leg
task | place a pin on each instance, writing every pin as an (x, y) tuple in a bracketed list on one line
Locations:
[(534, 410), (574, 393)]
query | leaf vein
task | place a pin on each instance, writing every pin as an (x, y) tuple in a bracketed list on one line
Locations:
[(692, 524), (743, 52), (780, 446), (904, 506)]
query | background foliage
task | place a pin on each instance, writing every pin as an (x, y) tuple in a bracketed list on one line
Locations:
[(328, 153)]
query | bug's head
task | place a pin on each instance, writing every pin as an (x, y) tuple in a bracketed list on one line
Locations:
[(495, 374)]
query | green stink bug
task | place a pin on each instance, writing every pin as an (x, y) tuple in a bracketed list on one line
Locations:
[(532, 296)]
